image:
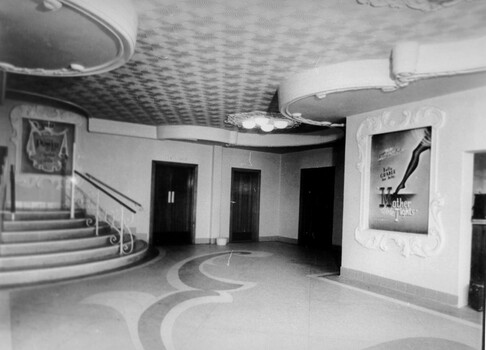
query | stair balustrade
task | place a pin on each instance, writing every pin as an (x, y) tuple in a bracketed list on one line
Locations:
[(115, 201)]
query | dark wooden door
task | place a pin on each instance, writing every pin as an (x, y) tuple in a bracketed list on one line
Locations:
[(173, 203), (478, 268), (245, 205), (316, 207)]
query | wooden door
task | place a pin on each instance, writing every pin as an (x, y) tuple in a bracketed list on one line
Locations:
[(173, 203), (316, 207), (245, 205)]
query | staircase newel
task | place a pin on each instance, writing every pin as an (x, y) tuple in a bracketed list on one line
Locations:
[(73, 178), (12, 192), (73, 190), (97, 211), (121, 232)]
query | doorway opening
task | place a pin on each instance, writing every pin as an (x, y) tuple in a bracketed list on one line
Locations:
[(476, 297), (173, 203), (245, 205), (316, 207)]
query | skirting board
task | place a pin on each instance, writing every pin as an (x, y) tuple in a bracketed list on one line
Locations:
[(411, 290), (205, 241), (278, 239), (260, 239)]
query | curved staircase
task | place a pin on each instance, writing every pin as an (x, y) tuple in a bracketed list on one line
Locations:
[(45, 246)]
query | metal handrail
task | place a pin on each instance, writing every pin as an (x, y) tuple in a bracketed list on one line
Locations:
[(3, 186), (12, 192), (113, 189), (122, 228), (98, 187)]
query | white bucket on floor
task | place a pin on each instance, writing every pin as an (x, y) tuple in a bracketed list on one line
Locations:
[(221, 241)]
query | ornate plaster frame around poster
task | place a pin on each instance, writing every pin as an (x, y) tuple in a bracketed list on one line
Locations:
[(423, 245), (44, 113)]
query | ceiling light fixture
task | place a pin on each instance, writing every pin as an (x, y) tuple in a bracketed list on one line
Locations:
[(265, 121)]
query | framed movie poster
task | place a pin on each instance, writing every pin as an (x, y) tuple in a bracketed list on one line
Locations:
[(47, 147), (399, 203), (400, 180)]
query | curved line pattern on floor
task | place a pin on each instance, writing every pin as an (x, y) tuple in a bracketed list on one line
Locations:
[(150, 319), (420, 343)]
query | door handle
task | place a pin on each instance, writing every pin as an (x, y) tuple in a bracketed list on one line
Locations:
[(170, 196)]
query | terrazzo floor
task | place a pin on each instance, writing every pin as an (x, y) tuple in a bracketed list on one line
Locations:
[(242, 296)]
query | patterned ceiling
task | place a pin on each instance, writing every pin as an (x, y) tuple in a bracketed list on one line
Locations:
[(197, 61)]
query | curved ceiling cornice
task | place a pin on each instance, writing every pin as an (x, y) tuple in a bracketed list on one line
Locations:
[(423, 5), (67, 37), (412, 61), (215, 135), (319, 82), (235, 138), (360, 86)]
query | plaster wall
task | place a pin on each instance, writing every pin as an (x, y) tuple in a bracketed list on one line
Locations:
[(269, 165), (447, 270), (125, 163)]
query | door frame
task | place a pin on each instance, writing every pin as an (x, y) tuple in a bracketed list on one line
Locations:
[(152, 196), (255, 235)]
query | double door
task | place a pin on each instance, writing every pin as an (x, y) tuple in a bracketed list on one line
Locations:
[(173, 192)]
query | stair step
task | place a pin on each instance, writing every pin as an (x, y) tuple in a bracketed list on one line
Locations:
[(42, 214), (24, 248), (22, 262), (30, 225), (47, 235), (9, 279)]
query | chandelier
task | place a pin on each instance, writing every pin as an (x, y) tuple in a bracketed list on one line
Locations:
[(265, 121)]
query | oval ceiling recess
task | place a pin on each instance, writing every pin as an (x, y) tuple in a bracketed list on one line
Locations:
[(66, 38)]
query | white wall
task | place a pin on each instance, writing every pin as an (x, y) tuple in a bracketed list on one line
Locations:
[(269, 164), (126, 164), (462, 133)]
